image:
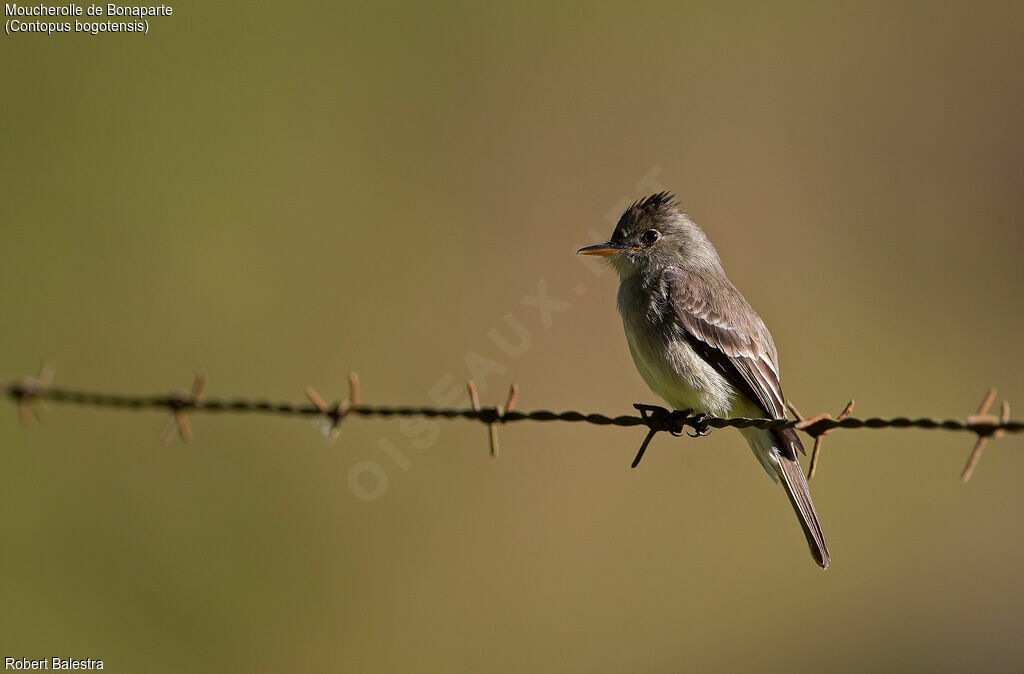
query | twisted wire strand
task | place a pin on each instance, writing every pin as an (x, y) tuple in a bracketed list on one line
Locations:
[(658, 418)]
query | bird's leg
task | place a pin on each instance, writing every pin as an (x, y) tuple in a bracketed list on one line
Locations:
[(700, 425)]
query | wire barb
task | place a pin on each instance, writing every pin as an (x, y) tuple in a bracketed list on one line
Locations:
[(982, 418), (819, 435), (337, 412), (180, 402), (493, 415), (29, 392), (660, 419)]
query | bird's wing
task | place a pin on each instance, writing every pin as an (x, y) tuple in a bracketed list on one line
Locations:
[(727, 333)]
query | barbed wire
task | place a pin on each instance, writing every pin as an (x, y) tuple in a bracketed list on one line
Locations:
[(29, 392)]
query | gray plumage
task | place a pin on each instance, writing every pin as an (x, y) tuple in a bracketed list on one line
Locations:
[(697, 342)]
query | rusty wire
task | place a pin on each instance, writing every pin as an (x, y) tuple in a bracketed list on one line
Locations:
[(29, 392)]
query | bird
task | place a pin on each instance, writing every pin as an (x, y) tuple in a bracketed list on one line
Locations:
[(698, 344)]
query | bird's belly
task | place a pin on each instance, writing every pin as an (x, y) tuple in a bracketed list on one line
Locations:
[(676, 373)]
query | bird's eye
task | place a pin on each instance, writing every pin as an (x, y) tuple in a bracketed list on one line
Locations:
[(650, 236)]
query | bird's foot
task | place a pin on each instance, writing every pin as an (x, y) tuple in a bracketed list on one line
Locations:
[(676, 420), (700, 426)]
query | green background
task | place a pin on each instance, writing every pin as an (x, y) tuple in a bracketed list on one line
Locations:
[(274, 195)]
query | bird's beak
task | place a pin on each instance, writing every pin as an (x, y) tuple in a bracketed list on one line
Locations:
[(602, 249)]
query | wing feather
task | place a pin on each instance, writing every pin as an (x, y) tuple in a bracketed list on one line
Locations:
[(729, 335)]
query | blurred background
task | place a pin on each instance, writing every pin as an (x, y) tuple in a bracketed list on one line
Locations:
[(275, 195)]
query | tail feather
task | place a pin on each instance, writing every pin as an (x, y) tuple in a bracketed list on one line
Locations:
[(799, 494)]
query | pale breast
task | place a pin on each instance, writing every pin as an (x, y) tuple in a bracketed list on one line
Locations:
[(664, 357)]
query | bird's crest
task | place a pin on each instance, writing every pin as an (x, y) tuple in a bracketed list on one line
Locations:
[(652, 206)]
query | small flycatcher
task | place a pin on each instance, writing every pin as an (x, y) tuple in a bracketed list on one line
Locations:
[(697, 343)]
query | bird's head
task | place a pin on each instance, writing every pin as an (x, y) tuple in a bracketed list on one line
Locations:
[(651, 236)]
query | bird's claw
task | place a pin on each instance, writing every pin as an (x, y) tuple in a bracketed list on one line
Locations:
[(700, 426), (675, 422)]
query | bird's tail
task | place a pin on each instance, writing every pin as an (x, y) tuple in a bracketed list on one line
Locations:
[(788, 468)]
